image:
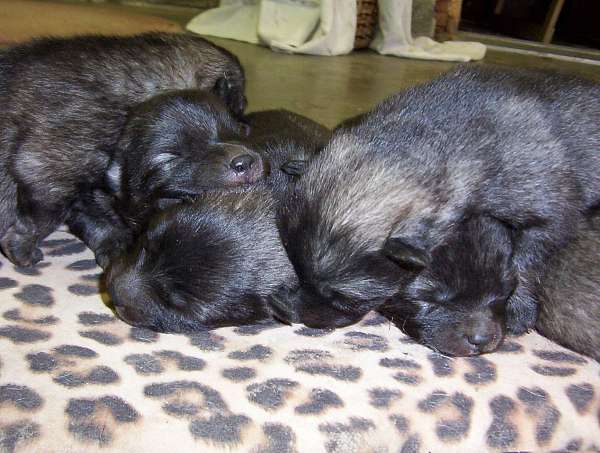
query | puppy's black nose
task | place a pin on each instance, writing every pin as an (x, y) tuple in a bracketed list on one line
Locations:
[(480, 339), (242, 164)]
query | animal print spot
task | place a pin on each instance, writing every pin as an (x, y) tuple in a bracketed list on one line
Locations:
[(255, 329), (95, 278), (449, 428), (559, 356), (540, 408), (483, 372), (207, 341), (553, 370), (68, 249), (256, 352), (32, 271), (280, 439), (400, 423), (36, 295), (399, 363), (62, 361), (145, 364), (270, 394), (20, 397), (212, 398), (310, 332), (220, 428), (82, 265), (580, 395), (89, 421), (406, 377), (510, 347), (319, 401), (502, 433), (105, 338), (318, 362), (18, 334), (238, 374), (411, 445), (18, 436), (382, 398), (15, 315), (143, 335), (94, 319), (442, 365), (341, 435), (83, 290), (365, 341), (58, 242), (7, 283)]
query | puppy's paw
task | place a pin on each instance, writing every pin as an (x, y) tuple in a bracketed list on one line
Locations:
[(20, 249), (521, 313)]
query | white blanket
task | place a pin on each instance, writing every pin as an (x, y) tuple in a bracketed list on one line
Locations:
[(325, 27)]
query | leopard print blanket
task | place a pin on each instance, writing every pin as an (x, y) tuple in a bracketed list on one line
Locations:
[(73, 378)]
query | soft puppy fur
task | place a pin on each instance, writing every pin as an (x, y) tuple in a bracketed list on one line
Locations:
[(570, 300), (64, 103), (456, 305), (202, 265), (519, 146), (181, 144)]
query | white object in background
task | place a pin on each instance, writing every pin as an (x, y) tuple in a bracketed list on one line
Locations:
[(393, 37), (325, 27), (318, 27)]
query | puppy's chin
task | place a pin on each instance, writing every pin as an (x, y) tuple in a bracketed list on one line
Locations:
[(454, 342)]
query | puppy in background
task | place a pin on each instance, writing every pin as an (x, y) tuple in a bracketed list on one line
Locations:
[(216, 260), (181, 144), (64, 104), (570, 299), (209, 263), (519, 146), (457, 304)]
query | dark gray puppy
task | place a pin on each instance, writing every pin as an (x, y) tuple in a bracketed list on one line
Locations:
[(570, 300), (64, 103), (518, 146), (179, 145), (456, 305), (202, 265)]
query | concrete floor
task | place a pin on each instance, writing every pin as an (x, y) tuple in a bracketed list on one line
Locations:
[(329, 89)]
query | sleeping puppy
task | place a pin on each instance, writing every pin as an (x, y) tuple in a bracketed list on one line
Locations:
[(64, 104), (516, 145), (570, 300), (179, 145), (457, 304), (202, 265)]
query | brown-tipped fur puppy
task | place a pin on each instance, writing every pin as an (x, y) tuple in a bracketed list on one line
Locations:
[(202, 265), (519, 146), (570, 300), (64, 102), (176, 146), (456, 305)]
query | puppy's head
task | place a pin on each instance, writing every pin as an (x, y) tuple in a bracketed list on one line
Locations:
[(456, 303), (183, 143), (202, 265)]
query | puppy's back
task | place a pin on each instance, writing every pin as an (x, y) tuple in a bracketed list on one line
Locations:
[(570, 305)]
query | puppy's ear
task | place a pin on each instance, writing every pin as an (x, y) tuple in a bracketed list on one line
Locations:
[(405, 254), (294, 167), (233, 95)]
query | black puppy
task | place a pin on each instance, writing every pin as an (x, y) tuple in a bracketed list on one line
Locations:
[(390, 186), (202, 265), (570, 300), (179, 145), (64, 103), (456, 305)]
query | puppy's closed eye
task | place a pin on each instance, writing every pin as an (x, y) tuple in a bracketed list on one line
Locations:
[(163, 158)]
